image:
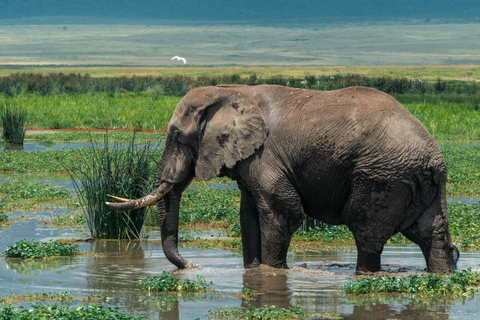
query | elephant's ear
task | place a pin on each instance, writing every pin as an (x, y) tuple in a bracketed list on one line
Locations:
[(232, 128)]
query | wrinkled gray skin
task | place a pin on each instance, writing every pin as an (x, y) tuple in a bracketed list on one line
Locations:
[(353, 156)]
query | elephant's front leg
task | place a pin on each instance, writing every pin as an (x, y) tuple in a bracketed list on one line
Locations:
[(250, 226), (281, 214)]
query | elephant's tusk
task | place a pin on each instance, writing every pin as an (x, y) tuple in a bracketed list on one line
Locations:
[(148, 200), (118, 198)]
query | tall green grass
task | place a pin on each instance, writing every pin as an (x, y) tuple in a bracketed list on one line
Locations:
[(446, 116), (125, 172), (133, 111), (14, 119)]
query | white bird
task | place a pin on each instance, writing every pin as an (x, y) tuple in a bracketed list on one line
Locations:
[(180, 59)]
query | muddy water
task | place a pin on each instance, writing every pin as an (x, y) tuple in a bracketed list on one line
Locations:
[(314, 282)]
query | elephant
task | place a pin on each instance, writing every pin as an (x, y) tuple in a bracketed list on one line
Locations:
[(353, 156)]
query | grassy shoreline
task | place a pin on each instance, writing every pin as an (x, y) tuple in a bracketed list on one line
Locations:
[(427, 72)]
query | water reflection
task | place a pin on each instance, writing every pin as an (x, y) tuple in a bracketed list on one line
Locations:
[(35, 267), (271, 283), (463, 199), (314, 282), (410, 310)]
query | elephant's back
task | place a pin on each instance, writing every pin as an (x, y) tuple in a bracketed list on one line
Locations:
[(330, 137), (356, 114)]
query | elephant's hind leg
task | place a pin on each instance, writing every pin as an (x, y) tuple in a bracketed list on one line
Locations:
[(430, 232), (373, 213)]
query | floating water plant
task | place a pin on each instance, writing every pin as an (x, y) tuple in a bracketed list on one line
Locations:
[(14, 120), (64, 311), (166, 282), (35, 249), (268, 313), (118, 170), (461, 283)]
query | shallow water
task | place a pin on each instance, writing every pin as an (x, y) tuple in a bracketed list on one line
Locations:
[(31, 146), (114, 268)]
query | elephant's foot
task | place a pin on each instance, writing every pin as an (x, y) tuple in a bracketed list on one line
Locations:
[(368, 262), (253, 263), (441, 260)]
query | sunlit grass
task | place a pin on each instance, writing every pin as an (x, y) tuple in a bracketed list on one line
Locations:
[(99, 111)]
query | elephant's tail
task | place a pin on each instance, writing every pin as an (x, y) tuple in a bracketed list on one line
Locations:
[(443, 198)]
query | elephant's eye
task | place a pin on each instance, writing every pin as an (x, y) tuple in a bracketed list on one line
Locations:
[(180, 137)]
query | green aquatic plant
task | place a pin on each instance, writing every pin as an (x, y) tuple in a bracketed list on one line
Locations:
[(31, 195), (166, 282), (314, 230), (3, 216), (14, 119), (36, 249), (464, 224), (43, 311), (70, 219), (267, 313), (461, 283), (202, 203), (113, 170)]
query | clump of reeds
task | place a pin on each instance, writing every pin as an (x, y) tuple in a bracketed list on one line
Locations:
[(125, 170), (14, 119)]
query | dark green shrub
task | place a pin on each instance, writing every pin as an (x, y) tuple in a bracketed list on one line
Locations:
[(116, 170), (14, 121), (58, 83), (3, 216), (35, 249)]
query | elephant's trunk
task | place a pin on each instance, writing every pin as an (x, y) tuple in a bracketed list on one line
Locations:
[(169, 229), (148, 200)]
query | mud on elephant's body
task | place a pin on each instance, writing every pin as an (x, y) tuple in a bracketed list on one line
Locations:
[(353, 156)]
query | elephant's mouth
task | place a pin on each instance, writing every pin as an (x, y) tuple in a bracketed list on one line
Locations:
[(148, 200)]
